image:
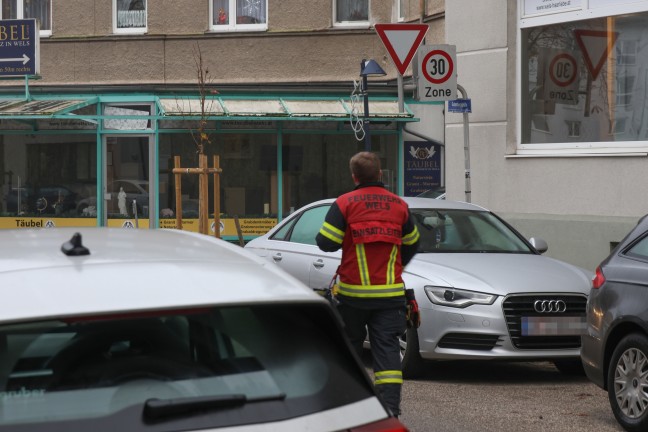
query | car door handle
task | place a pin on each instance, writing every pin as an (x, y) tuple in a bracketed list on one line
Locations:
[(318, 264), (276, 257)]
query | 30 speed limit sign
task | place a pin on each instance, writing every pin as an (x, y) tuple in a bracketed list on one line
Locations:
[(437, 78), (559, 76)]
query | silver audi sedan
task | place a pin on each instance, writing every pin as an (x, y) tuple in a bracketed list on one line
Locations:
[(485, 292)]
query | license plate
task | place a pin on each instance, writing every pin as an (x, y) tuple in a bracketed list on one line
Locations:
[(552, 326)]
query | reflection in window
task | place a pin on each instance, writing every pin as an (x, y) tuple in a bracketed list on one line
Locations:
[(573, 128), (238, 14), (351, 11), (130, 15), (41, 10), (585, 73), (47, 175)]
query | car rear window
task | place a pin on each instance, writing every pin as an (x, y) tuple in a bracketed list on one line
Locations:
[(194, 368)]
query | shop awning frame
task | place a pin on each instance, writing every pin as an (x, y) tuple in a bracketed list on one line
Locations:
[(280, 108), (219, 108)]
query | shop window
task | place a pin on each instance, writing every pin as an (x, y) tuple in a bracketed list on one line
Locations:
[(41, 10), (245, 184), (47, 176), (129, 16), (585, 73), (351, 12), (232, 15)]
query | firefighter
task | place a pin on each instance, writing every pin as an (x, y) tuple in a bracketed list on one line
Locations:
[(378, 238)]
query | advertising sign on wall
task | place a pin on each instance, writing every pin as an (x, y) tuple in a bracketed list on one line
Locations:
[(536, 7), (422, 172)]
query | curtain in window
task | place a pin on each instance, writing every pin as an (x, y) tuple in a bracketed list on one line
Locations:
[(131, 13), (39, 9), (352, 10), (250, 11)]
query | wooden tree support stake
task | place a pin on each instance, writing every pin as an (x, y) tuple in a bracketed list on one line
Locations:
[(203, 172)]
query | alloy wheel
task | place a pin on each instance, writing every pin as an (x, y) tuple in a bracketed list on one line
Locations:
[(631, 383)]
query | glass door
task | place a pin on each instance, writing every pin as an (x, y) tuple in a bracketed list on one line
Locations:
[(127, 181)]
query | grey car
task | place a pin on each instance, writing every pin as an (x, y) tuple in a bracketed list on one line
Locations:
[(485, 292), (615, 344)]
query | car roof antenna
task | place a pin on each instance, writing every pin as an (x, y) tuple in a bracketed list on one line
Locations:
[(74, 247)]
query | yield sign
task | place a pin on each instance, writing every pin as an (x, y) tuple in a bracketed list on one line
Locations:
[(401, 41), (595, 45)]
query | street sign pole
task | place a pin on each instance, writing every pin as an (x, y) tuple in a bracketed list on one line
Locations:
[(466, 130)]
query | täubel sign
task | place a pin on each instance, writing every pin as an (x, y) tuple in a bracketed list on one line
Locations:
[(19, 48)]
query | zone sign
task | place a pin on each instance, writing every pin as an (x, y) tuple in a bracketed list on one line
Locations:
[(437, 78)]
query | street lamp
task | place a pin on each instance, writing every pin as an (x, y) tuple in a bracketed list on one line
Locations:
[(368, 68)]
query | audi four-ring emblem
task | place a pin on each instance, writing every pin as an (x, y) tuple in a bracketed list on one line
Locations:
[(549, 306)]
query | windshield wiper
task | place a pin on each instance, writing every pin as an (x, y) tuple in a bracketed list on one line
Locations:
[(155, 409)]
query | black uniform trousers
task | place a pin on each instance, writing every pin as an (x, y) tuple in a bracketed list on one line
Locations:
[(385, 326)]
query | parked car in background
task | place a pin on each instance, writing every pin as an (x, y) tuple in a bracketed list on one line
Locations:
[(485, 292), (151, 330), (615, 344)]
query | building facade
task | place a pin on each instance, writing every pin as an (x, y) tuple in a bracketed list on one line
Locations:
[(557, 133), (92, 139)]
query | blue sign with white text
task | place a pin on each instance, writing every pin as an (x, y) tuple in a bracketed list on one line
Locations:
[(460, 106), (19, 48), (422, 167)]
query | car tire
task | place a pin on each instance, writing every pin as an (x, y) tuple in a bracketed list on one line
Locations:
[(412, 363), (627, 380), (570, 366)]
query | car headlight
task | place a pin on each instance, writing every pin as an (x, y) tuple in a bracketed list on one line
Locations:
[(458, 298)]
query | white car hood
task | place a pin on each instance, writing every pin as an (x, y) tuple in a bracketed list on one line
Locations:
[(500, 274)]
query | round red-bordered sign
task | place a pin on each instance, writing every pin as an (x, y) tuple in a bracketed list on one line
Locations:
[(448, 73), (561, 76)]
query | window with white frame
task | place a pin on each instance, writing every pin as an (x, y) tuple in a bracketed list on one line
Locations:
[(584, 73), (41, 10), (351, 12), (401, 10), (129, 16), (241, 15)]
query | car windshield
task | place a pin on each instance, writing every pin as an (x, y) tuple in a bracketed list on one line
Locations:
[(450, 230), (219, 366)]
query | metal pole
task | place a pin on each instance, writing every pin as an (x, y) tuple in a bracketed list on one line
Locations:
[(366, 122), (401, 97), (466, 145)]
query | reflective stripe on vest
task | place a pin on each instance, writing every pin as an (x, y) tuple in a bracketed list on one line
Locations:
[(391, 275), (412, 237), (374, 291), (389, 377), (363, 270), (332, 233)]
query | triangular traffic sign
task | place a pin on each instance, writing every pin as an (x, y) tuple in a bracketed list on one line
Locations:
[(595, 45), (401, 41)]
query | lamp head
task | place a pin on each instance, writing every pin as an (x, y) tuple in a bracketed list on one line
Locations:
[(371, 68)]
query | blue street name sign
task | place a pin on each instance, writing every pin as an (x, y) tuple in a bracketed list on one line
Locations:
[(459, 106), (19, 48)]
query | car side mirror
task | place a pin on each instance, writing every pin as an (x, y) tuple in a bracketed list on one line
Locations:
[(539, 244)]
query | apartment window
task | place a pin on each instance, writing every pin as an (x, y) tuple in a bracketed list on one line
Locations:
[(129, 16), (351, 12), (624, 89), (401, 10), (41, 10), (626, 52), (242, 15)]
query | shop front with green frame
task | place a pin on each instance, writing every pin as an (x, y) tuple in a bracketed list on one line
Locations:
[(107, 160)]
